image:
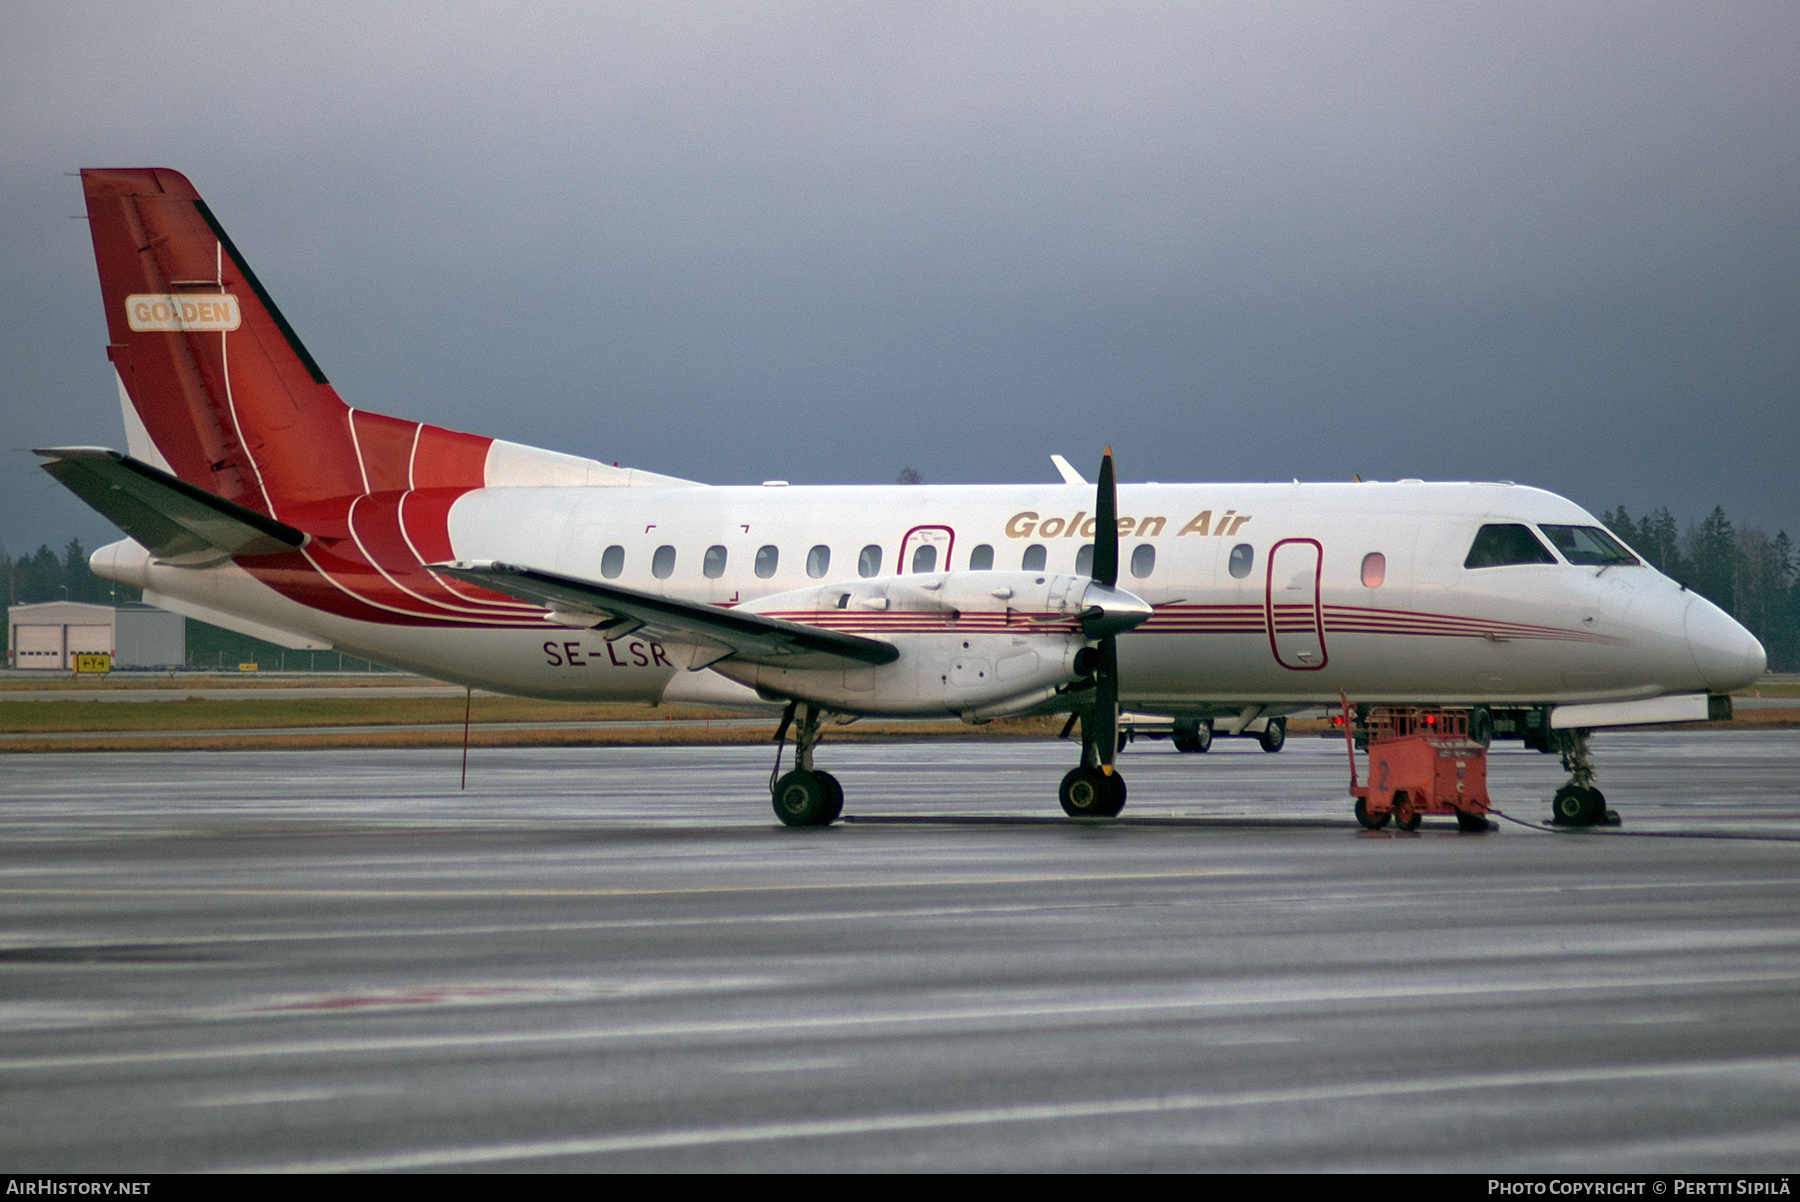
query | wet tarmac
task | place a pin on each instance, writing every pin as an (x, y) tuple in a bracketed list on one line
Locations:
[(614, 959)]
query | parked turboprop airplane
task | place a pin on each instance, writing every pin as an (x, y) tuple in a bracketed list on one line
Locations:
[(257, 500)]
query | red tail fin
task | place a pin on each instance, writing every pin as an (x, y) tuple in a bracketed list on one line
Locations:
[(222, 383)]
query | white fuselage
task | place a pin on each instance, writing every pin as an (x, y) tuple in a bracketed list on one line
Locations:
[(1423, 629)]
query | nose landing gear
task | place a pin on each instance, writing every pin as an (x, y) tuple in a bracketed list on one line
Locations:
[(1578, 802), (806, 796)]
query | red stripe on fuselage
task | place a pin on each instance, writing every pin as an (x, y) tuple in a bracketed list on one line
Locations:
[(365, 565)]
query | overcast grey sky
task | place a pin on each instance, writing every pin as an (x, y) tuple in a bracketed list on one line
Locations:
[(1552, 243)]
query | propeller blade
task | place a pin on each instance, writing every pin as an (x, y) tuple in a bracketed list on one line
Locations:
[(1106, 524), (1104, 732)]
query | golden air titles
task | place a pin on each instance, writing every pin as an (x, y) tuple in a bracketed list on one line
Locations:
[(1028, 525)]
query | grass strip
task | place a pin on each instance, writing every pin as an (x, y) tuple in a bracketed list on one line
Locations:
[(502, 722), (529, 736), (197, 713)]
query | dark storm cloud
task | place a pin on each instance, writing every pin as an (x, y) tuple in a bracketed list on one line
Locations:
[(1556, 244)]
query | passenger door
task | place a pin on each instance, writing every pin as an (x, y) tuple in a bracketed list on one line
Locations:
[(1291, 605)]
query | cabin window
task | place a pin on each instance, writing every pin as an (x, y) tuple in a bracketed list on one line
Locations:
[(766, 559), (818, 561), (1084, 560), (1503, 544), (662, 564), (1243, 558), (869, 562), (925, 559), (1034, 558), (1143, 560), (612, 562), (981, 559), (1374, 569), (714, 563), (1589, 546)]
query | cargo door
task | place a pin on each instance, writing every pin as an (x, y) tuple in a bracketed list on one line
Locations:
[(1296, 622)]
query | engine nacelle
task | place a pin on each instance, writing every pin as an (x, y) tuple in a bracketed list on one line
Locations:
[(975, 644)]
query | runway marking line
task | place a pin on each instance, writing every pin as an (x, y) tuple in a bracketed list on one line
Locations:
[(651, 1141), (1023, 879), (598, 924), (789, 1024), (1409, 898)]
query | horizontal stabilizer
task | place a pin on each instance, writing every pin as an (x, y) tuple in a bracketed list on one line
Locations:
[(750, 637), (177, 522)]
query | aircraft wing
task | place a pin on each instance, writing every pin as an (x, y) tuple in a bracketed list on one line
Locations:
[(715, 632), (176, 521)]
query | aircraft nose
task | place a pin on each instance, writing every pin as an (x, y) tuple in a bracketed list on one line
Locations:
[(1727, 656)]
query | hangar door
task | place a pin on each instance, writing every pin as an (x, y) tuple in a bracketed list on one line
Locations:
[(89, 640), (38, 647)]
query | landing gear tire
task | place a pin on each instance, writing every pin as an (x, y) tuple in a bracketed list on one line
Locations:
[(1471, 824), (1481, 725), (1574, 805), (1405, 817), (1191, 739), (1373, 822), (802, 798), (1274, 735), (834, 801), (1090, 793)]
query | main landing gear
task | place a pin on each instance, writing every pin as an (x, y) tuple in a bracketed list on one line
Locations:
[(1578, 802), (1193, 738), (1274, 736), (806, 796), (1094, 789)]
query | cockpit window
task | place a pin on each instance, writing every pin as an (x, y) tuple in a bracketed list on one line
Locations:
[(1499, 545), (1589, 545)]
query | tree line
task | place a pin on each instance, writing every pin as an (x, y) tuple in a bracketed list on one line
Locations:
[(1742, 570), (44, 576)]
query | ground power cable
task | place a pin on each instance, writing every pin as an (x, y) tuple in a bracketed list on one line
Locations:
[(1619, 833)]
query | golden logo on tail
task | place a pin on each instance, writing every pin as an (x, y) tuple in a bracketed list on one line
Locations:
[(147, 311)]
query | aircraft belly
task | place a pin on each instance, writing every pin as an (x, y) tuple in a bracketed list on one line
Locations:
[(552, 663), (1240, 667)]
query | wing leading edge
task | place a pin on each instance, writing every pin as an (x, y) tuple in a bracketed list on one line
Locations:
[(714, 632)]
